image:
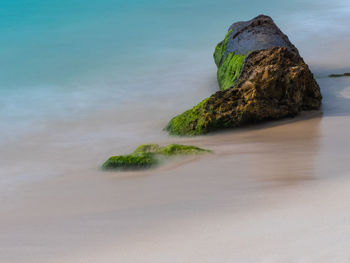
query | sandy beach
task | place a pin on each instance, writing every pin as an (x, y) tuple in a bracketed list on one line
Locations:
[(269, 193)]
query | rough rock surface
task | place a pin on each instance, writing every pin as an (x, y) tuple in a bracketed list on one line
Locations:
[(256, 34), (261, 76)]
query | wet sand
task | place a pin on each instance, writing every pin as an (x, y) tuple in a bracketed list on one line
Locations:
[(275, 192)]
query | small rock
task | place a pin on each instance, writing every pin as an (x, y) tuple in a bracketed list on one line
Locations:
[(149, 155)]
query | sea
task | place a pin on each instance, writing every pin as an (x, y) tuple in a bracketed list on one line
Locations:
[(68, 59)]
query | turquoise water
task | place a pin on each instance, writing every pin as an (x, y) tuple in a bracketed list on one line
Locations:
[(60, 59)]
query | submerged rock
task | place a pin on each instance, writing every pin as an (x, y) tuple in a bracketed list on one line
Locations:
[(261, 77), (178, 149), (149, 155), (130, 161), (339, 75)]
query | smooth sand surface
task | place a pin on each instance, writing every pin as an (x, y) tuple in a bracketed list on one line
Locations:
[(276, 192)]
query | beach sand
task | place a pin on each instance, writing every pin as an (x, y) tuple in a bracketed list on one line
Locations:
[(275, 192)]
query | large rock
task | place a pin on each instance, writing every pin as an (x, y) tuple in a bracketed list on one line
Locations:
[(261, 76)]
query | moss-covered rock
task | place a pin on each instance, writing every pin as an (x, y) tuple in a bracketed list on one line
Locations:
[(149, 155), (178, 149), (261, 77), (147, 148), (131, 161)]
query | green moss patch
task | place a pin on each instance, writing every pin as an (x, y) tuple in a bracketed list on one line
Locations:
[(178, 149), (229, 64), (230, 70), (221, 49), (131, 161), (191, 122), (149, 155), (147, 148)]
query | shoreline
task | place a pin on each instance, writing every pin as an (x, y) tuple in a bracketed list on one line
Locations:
[(261, 177), (149, 211)]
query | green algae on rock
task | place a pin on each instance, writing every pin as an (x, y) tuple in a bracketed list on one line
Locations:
[(230, 70), (221, 49), (229, 64), (147, 148), (178, 149), (261, 77), (191, 122), (149, 155), (130, 161)]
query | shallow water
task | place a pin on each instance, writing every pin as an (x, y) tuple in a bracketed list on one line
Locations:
[(263, 188), (64, 60)]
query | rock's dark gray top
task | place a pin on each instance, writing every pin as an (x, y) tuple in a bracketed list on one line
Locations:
[(256, 34)]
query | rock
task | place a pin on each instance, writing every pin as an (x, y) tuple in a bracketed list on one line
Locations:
[(130, 162), (149, 155), (339, 75), (148, 148), (178, 149), (261, 76)]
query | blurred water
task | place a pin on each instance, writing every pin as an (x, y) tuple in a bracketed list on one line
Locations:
[(83, 80), (61, 59)]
